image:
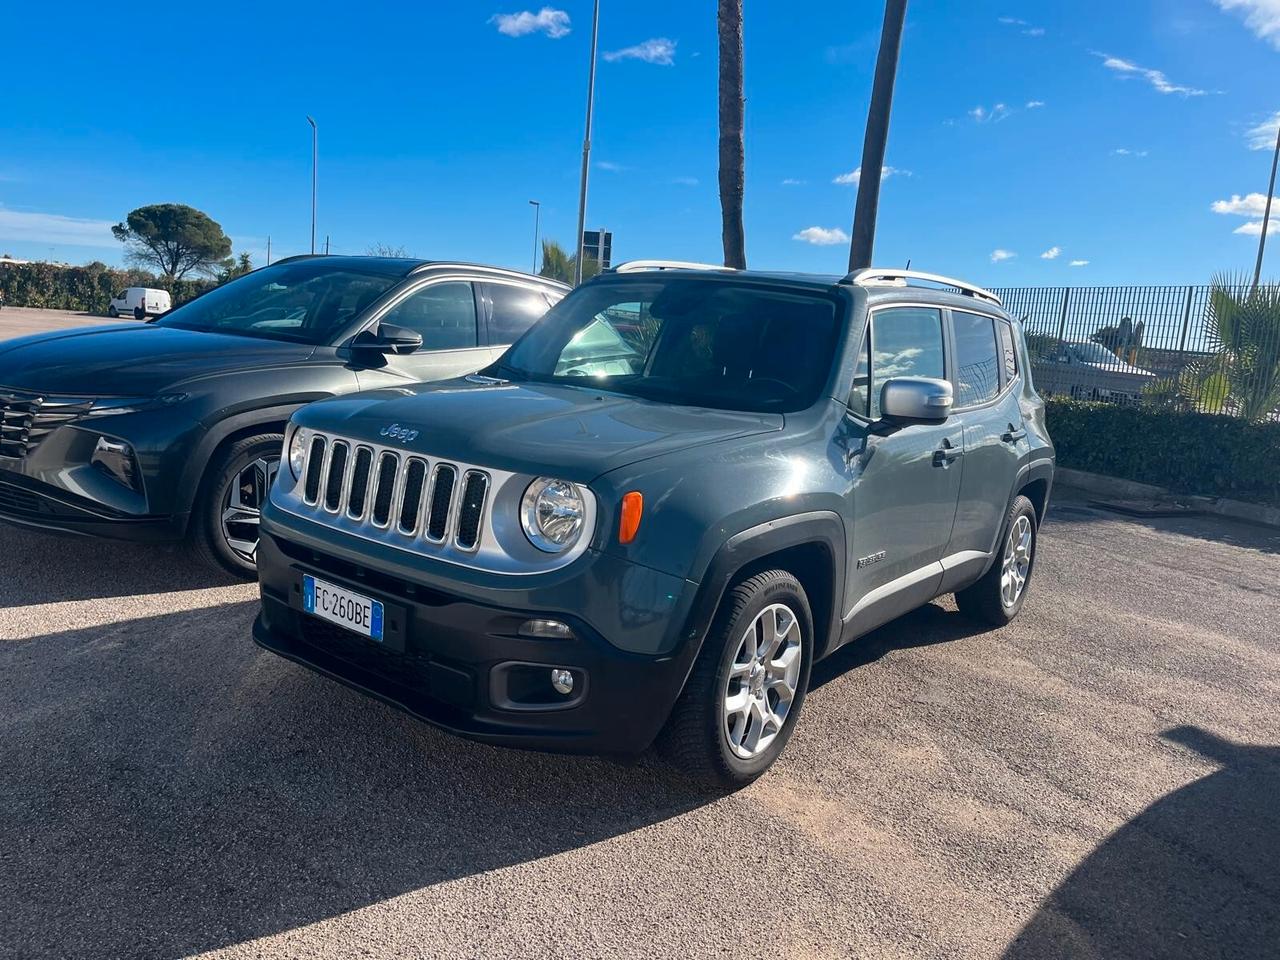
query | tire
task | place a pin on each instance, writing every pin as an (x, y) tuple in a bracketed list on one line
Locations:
[(988, 600), (234, 488), (113, 313), (697, 736)]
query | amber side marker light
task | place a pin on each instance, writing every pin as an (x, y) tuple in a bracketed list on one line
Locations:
[(632, 509)]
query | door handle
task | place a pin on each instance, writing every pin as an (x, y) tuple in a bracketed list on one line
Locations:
[(946, 454), (1013, 435)]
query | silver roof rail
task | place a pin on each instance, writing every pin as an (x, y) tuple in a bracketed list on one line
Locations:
[(637, 266), (876, 277)]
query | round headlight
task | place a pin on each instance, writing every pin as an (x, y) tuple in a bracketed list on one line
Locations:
[(553, 513), (298, 452)]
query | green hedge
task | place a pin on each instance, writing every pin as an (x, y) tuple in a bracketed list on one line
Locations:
[(86, 288), (1186, 452)]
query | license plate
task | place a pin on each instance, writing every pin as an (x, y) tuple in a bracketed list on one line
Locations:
[(342, 606)]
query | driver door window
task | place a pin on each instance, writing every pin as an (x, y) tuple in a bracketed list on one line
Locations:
[(444, 313), (901, 342)]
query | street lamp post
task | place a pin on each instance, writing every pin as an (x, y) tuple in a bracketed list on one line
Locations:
[(315, 133), (537, 217), (1266, 213), (586, 144), (877, 136)]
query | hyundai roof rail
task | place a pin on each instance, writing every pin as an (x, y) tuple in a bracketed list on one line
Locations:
[(637, 266), (876, 277)]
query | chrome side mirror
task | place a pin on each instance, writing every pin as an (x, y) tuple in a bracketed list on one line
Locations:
[(920, 399)]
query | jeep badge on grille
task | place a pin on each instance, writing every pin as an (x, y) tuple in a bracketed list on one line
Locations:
[(397, 432)]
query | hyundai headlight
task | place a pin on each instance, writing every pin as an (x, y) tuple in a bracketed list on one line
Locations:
[(553, 513), (114, 406), (297, 452)]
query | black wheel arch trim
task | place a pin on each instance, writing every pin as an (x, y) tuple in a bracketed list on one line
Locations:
[(197, 466), (823, 528)]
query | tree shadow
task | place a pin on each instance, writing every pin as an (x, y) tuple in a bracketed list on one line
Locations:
[(1235, 533), (48, 568), (922, 627), (169, 788), (1195, 875)]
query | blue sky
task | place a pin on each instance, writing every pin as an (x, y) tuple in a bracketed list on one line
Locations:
[(1104, 131)]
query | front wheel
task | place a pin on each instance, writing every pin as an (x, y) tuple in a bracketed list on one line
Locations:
[(743, 698), (113, 313), (224, 526), (998, 596)]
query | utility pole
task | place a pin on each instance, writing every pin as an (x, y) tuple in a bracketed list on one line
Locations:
[(877, 136), (586, 144), (268, 251), (1266, 215), (315, 135), (537, 217), (326, 244)]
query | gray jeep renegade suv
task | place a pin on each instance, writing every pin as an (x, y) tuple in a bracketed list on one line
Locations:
[(652, 515)]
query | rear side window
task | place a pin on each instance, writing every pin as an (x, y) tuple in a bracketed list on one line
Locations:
[(515, 310), (905, 342), (977, 364), (1009, 354)]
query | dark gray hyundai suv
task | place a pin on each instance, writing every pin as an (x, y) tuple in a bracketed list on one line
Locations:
[(173, 429), (653, 514)]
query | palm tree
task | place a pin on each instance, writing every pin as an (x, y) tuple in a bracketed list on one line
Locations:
[(1244, 329), (732, 150), (558, 264)]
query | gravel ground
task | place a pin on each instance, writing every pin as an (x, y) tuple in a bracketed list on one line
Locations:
[(1099, 779), (20, 321)]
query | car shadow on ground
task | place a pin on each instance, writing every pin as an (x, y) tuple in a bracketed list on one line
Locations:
[(1195, 875), (48, 568), (169, 788)]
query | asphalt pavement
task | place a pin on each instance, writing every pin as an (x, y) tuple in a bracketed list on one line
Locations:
[(1099, 779), (20, 321)]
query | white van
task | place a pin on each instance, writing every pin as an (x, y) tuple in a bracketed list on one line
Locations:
[(127, 302)]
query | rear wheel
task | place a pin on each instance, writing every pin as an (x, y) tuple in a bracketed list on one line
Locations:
[(998, 596), (112, 312), (743, 698), (224, 527)]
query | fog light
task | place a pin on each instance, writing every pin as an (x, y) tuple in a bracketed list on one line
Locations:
[(546, 630), (562, 680), (115, 458)]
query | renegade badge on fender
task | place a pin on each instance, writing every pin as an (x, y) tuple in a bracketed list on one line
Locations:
[(174, 428), (656, 511)]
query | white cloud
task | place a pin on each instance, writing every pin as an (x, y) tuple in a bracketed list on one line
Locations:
[(609, 166), (55, 229), (1000, 255), (854, 177), (1079, 263), (1260, 16), (792, 182), (1034, 104), (1012, 22), (981, 114), (1157, 78), (1051, 254), (686, 181), (1251, 206), (1263, 136), (554, 23), (659, 50), (1027, 29), (1034, 32), (1126, 152), (822, 236)]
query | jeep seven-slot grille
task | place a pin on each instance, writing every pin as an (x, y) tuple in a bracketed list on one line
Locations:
[(396, 492), (27, 418)]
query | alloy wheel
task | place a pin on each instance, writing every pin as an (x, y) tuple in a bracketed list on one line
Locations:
[(1017, 560), (242, 502), (760, 689)]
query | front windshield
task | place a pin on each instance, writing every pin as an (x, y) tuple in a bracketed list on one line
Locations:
[(690, 341), (1093, 353), (307, 301)]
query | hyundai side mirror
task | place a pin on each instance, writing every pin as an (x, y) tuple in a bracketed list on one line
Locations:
[(916, 400), (388, 338)]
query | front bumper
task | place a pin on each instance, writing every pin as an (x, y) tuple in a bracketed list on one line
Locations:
[(35, 505), (454, 658)]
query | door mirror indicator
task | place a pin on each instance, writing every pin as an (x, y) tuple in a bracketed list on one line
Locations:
[(916, 399), (388, 338)]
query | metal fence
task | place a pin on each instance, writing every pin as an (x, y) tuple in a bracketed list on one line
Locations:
[(1151, 345)]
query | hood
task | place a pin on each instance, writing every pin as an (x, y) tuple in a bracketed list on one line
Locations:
[(1119, 366), (131, 359), (575, 433)]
